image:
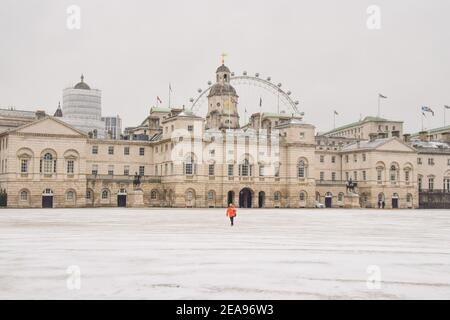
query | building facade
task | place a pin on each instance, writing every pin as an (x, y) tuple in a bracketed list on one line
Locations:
[(175, 158)]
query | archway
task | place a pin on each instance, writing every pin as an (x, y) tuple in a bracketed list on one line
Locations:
[(395, 201), (261, 199), (328, 200), (245, 198), (47, 198), (230, 197), (122, 198)]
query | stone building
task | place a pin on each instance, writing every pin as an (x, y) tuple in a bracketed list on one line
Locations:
[(175, 158)]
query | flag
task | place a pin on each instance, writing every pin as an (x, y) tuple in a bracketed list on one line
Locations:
[(170, 88), (447, 107), (427, 109), (336, 113), (260, 102), (382, 96), (158, 99)]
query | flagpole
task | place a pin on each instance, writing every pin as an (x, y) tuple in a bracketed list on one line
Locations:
[(169, 95), (334, 119), (378, 114), (445, 111)]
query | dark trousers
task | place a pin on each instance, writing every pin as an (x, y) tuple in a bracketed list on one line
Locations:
[(232, 220)]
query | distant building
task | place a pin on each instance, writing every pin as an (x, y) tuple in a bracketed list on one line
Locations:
[(11, 118), (379, 127), (82, 109), (113, 127)]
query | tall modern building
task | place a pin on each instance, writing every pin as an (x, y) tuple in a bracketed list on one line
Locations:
[(82, 109), (113, 127)]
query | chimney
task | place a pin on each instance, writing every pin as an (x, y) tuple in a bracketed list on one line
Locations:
[(40, 114), (406, 137), (423, 136), (373, 136)]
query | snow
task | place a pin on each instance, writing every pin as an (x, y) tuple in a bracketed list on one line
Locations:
[(195, 254)]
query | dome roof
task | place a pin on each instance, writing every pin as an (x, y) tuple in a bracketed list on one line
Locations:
[(223, 68), (222, 89), (82, 85)]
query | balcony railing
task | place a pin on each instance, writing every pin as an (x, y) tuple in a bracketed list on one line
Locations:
[(122, 178)]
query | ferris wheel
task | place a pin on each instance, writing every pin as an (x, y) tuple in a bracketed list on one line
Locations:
[(284, 101)]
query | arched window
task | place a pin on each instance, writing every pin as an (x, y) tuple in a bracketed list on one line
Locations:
[(48, 164), (210, 195), (393, 173), (154, 195), (245, 169), (24, 195), (70, 195), (301, 169), (189, 195), (341, 197), (105, 194), (89, 194), (302, 196)]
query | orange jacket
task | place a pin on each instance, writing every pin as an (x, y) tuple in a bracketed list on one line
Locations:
[(231, 212)]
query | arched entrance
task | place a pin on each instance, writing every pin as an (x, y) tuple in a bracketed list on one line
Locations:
[(395, 201), (261, 199), (122, 198), (47, 198), (230, 197), (245, 198), (328, 200)]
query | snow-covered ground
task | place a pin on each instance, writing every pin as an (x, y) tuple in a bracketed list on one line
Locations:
[(195, 254)]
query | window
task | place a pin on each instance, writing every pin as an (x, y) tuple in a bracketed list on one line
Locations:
[(245, 168), (189, 166), (212, 152), (94, 149), (355, 157), (355, 175), (347, 176), (49, 163), (70, 166), (407, 176), (431, 161), (301, 170), (110, 150), (431, 183), (333, 159), (379, 174), (70, 195), (110, 170), (126, 151), (346, 158), (210, 195), (364, 175), (24, 195), (364, 157), (277, 169), (419, 160), (333, 176), (189, 195), (94, 169), (142, 151), (154, 195), (88, 194), (126, 170), (322, 175), (141, 171), (277, 196), (261, 171), (393, 173), (230, 170), (190, 128), (448, 162), (419, 182), (211, 169), (24, 166), (302, 196), (322, 159), (165, 168), (302, 135), (105, 194)]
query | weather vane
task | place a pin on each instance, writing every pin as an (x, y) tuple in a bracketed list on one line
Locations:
[(223, 57)]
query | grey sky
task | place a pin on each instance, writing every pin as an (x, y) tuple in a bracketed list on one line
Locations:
[(320, 50)]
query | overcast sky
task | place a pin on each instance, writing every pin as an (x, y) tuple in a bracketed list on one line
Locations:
[(321, 50)]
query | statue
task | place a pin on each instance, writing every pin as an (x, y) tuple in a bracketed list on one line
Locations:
[(136, 180), (351, 186)]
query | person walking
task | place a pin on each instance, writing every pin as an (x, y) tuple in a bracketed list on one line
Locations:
[(231, 213)]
